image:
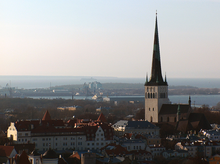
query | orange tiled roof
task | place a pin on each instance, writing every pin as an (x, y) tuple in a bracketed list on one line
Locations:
[(75, 155)]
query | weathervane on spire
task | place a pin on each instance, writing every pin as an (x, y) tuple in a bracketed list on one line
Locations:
[(156, 12)]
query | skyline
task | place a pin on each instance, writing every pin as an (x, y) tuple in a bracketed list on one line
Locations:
[(109, 38)]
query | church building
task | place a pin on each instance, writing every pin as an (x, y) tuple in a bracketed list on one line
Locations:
[(158, 107)]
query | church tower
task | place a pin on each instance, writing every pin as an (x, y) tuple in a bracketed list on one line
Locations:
[(156, 89)]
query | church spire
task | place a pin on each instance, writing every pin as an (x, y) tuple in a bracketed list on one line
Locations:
[(156, 75)]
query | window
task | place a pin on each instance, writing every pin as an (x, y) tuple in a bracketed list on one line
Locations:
[(26, 134), (149, 109), (79, 143), (162, 95)]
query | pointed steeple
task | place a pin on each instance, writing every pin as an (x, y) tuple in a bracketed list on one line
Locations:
[(156, 75), (165, 78), (46, 116), (102, 118), (146, 79), (189, 101)]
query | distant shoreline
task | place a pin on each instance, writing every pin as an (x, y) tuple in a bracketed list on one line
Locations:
[(31, 82)]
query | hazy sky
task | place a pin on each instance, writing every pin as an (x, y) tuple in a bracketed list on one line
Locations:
[(109, 37)]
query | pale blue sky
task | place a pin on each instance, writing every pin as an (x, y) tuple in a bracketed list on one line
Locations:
[(109, 37)]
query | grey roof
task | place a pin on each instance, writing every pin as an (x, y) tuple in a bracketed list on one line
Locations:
[(121, 122), (50, 154)]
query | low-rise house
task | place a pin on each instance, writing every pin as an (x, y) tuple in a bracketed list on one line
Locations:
[(88, 158), (50, 157), (198, 148), (6, 154), (133, 144), (35, 157), (142, 155), (213, 135), (150, 139), (156, 150), (111, 160), (113, 150), (175, 153), (139, 127)]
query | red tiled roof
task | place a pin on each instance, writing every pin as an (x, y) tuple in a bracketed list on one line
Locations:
[(24, 158), (91, 130), (26, 125), (102, 118), (128, 135), (140, 136), (46, 116), (29, 125), (112, 148), (6, 150), (52, 129)]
